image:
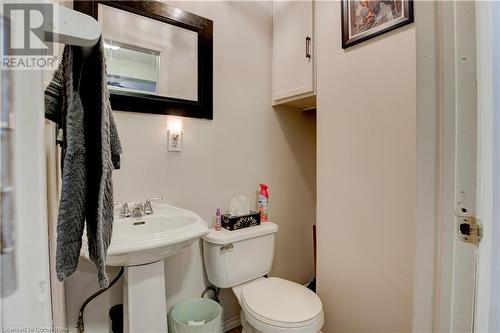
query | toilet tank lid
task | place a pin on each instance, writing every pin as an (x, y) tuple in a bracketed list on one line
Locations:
[(225, 236)]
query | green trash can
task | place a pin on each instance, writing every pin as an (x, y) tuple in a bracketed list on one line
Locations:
[(197, 315)]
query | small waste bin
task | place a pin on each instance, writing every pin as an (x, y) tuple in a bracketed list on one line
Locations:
[(197, 315)]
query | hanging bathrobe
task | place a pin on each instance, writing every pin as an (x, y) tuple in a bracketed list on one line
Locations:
[(77, 99)]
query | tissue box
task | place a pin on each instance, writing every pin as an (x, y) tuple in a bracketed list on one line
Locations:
[(230, 222)]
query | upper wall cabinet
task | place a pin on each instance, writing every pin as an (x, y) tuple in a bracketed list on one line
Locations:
[(293, 54)]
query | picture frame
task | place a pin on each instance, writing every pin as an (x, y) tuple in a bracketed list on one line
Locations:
[(363, 20)]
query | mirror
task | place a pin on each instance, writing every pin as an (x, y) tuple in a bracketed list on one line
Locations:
[(159, 58)]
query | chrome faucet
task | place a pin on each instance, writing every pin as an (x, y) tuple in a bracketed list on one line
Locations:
[(140, 209)]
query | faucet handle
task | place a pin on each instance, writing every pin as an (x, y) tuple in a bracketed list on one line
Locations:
[(124, 210), (147, 207)]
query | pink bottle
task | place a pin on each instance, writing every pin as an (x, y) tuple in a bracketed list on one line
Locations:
[(217, 220), (263, 202)]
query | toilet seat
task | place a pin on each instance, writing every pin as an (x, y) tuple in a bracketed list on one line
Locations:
[(278, 305)]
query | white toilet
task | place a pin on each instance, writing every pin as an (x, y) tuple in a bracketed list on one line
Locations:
[(239, 260)]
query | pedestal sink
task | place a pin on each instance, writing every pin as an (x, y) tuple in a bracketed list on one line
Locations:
[(140, 244)]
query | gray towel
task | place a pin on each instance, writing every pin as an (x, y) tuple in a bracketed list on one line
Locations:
[(77, 99)]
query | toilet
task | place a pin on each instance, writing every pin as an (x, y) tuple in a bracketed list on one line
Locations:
[(241, 260)]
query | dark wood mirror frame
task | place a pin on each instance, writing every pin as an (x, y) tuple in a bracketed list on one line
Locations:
[(137, 102)]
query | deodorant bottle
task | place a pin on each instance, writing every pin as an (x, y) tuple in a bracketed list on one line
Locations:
[(263, 204)]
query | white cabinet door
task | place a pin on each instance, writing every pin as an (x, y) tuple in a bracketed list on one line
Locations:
[(293, 58)]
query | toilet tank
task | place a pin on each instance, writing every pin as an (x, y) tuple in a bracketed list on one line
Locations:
[(235, 257)]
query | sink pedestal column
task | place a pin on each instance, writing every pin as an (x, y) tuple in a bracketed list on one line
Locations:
[(144, 303)]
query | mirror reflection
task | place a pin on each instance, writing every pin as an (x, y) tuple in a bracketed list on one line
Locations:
[(131, 68), (149, 56)]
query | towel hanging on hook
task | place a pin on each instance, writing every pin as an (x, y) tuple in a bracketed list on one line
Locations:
[(91, 150)]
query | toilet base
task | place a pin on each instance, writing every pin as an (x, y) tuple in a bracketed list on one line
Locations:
[(247, 328)]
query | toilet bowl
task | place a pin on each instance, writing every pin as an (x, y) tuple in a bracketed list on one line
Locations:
[(239, 260), (274, 305)]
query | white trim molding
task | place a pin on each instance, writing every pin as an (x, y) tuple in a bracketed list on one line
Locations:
[(231, 323), (427, 165)]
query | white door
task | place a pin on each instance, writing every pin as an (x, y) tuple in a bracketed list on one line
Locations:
[(292, 48), (466, 172)]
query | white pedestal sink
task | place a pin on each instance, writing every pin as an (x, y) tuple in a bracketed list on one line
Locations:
[(140, 244)]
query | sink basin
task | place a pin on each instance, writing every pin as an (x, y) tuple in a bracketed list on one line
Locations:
[(150, 238)]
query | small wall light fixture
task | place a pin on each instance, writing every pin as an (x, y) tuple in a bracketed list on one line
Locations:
[(174, 132)]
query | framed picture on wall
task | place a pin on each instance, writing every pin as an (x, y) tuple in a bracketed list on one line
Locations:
[(365, 19)]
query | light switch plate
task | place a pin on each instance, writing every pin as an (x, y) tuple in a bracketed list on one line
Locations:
[(174, 141)]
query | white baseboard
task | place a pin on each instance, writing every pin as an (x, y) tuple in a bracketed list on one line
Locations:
[(231, 323)]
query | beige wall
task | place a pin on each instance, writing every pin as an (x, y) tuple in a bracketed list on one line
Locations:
[(366, 177), (247, 142)]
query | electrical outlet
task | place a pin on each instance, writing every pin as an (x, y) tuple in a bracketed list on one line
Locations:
[(174, 141)]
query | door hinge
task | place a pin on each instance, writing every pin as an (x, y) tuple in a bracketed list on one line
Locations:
[(470, 229)]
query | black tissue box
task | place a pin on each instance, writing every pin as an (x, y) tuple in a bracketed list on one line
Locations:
[(230, 222)]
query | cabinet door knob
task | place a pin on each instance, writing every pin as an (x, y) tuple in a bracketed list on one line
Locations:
[(308, 47)]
